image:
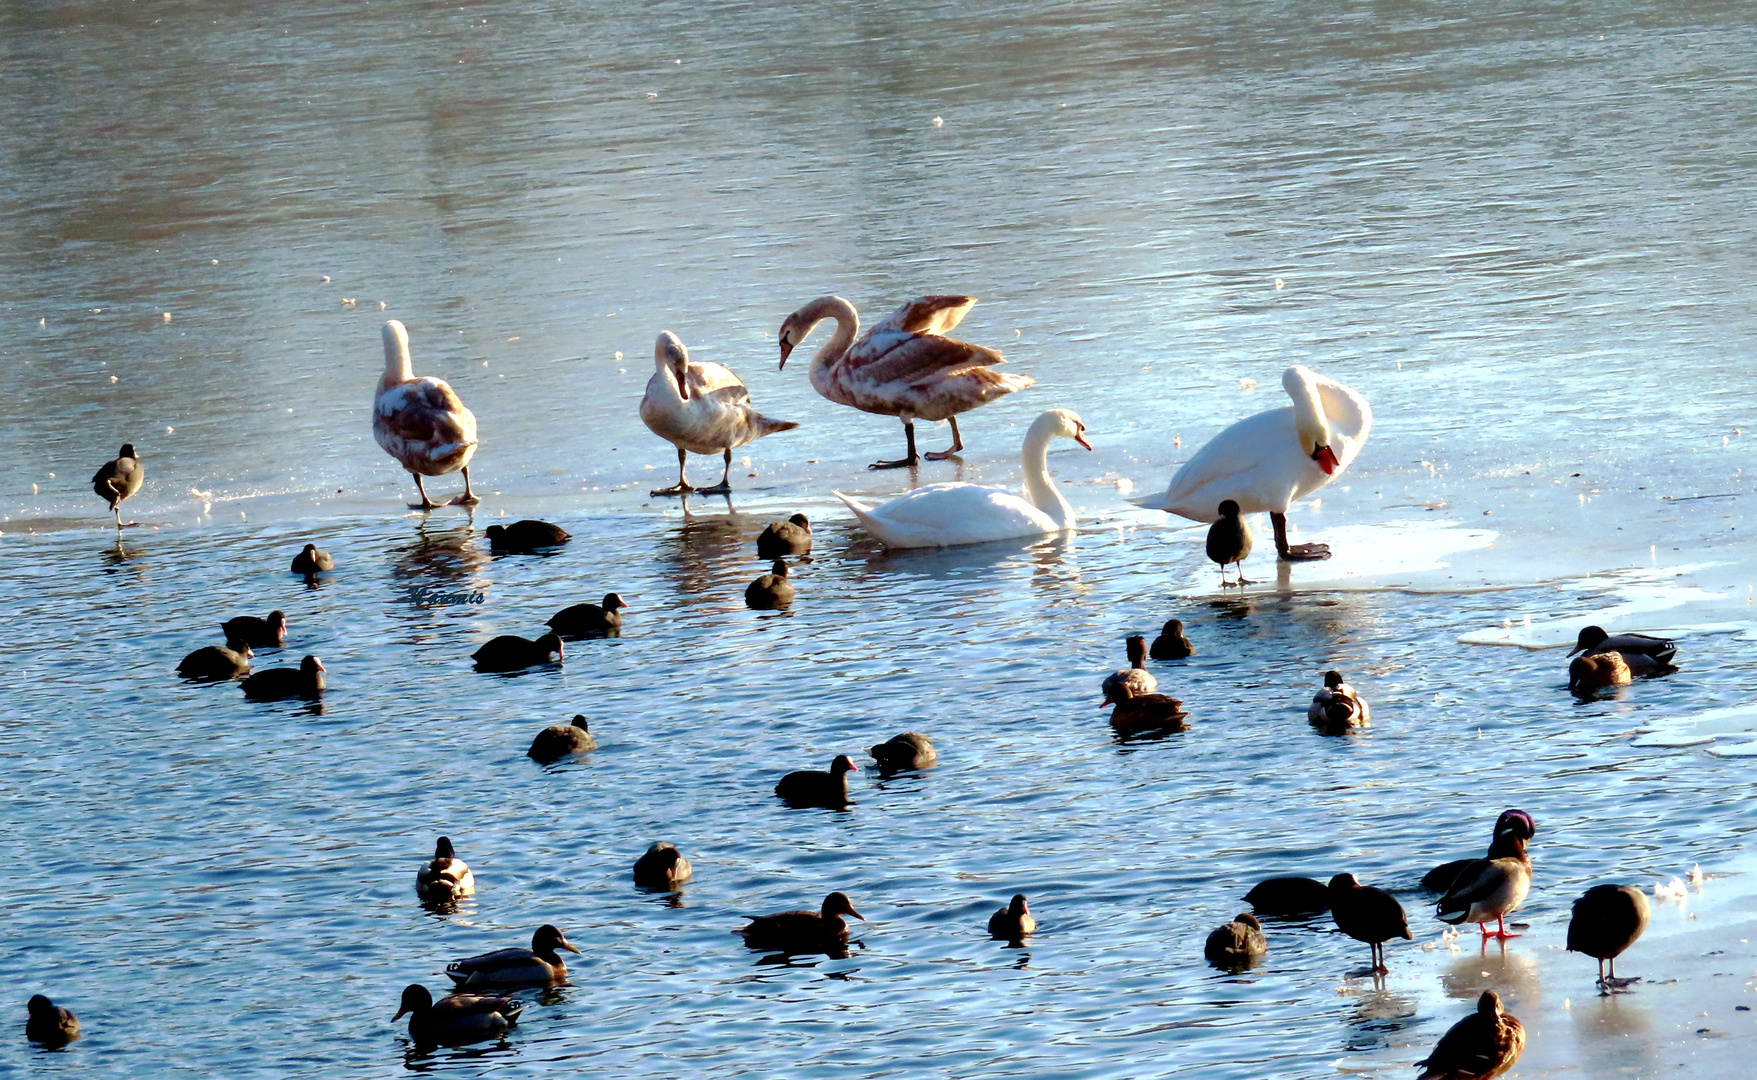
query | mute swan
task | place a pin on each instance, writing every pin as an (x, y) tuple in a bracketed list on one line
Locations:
[(1607, 920), (1492, 888), (700, 407), (1229, 541), (945, 515), (904, 366), (1481, 1046), (1269, 461), (118, 479), (420, 421)]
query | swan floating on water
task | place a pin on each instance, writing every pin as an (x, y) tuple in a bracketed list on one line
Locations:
[(700, 407), (1269, 461), (946, 515), (420, 421), (904, 366)]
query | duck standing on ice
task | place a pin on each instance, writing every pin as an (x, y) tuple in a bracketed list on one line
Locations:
[(420, 421), (1267, 462)]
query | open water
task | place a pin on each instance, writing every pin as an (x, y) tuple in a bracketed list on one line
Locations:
[(1525, 236)]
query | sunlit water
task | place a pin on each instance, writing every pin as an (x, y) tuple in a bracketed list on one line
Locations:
[(1525, 238)]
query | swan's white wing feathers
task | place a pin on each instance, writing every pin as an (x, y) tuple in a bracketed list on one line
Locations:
[(926, 315)]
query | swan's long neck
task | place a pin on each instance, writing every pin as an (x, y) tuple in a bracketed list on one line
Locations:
[(1308, 411), (1040, 489), (397, 368), (847, 326)]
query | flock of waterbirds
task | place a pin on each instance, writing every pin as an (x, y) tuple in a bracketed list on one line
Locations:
[(904, 366)]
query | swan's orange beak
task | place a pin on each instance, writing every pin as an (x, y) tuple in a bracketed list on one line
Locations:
[(1326, 459), (1080, 437)]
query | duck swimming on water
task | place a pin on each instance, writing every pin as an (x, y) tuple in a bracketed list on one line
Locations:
[(803, 931), (1481, 1046), (1337, 705), (1644, 654), (456, 1018), (540, 965), (446, 878), (1171, 644)]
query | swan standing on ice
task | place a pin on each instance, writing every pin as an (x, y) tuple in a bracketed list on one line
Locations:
[(945, 515), (1268, 461), (903, 366), (700, 407), (420, 421)]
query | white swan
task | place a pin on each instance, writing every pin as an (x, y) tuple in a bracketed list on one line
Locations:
[(1268, 461), (700, 407), (421, 422), (945, 515), (904, 366)]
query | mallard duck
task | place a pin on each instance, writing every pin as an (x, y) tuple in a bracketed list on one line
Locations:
[(1645, 654), (420, 421), (1337, 705), (1236, 944), (702, 408), (446, 878), (118, 479), (1607, 920), (554, 743), (1269, 461), (456, 1018), (803, 931), (525, 536), (216, 662), (1144, 712), (1229, 542), (662, 867), (1014, 921), (1171, 644), (770, 591), (1289, 896), (509, 652), (811, 788), (49, 1024), (1492, 887), (790, 537), (1367, 914), (1441, 877), (1134, 680), (1589, 674), (312, 561), (910, 750), (539, 965), (904, 366), (1481, 1046), (304, 681), (590, 620), (269, 633)]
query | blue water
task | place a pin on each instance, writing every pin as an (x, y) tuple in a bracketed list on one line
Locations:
[(1527, 244)]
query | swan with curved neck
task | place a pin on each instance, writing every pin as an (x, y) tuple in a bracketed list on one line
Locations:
[(420, 421), (904, 366), (946, 515), (702, 408), (1269, 461)]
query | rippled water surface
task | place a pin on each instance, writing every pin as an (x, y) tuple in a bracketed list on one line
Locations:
[(1525, 237)]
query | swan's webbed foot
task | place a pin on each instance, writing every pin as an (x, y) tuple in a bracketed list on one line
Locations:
[(424, 504), (944, 455), (675, 489), (1304, 552), (722, 488), (909, 462), (464, 500), (1613, 984)]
